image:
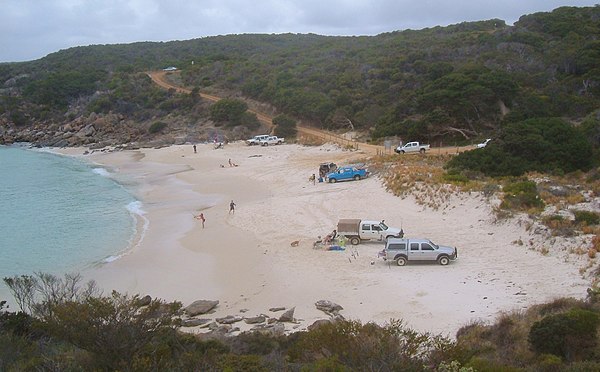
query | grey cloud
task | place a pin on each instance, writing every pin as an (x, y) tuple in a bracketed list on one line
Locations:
[(30, 29)]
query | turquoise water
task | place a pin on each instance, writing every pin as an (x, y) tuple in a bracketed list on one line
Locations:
[(59, 214)]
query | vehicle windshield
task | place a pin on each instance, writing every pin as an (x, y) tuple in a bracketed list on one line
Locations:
[(383, 226), (433, 245)]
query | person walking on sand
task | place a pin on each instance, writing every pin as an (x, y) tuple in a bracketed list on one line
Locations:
[(230, 163), (312, 179), (201, 218), (232, 207), (194, 149)]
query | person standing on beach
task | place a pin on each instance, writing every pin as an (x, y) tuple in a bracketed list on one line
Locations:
[(201, 218), (194, 149), (232, 207)]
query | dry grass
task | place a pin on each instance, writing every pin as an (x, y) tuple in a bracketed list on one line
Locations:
[(424, 178)]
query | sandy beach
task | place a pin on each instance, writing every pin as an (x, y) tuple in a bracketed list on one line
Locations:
[(245, 260)]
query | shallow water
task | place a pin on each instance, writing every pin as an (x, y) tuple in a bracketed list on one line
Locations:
[(59, 214)]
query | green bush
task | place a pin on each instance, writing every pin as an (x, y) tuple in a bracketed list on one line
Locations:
[(156, 127), (586, 218), (228, 111), (285, 126), (485, 365), (521, 195), (233, 362), (571, 335), (455, 178), (543, 145), (372, 347), (250, 121)]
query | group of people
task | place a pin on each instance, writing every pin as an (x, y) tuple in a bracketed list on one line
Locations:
[(330, 243)]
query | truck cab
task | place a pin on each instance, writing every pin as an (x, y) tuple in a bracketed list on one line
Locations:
[(377, 230), (403, 250)]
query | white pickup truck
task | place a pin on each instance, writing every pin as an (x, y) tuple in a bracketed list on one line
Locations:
[(271, 140), (356, 230), (412, 147), (256, 139)]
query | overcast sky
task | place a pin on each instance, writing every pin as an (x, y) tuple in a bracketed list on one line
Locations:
[(30, 29)]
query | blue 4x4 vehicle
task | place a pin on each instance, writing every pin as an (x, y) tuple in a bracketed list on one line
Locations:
[(348, 172)]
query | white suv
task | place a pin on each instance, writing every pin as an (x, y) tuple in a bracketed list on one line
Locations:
[(404, 250)]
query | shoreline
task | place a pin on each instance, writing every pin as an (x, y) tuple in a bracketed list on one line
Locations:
[(245, 260)]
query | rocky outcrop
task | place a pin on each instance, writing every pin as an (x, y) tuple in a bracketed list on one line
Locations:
[(328, 307), (288, 316), (200, 307), (108, 130)]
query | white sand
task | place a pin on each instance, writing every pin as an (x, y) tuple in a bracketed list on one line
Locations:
[(245, 260)]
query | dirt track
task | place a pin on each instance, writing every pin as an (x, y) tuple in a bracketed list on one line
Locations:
[(159, 77)]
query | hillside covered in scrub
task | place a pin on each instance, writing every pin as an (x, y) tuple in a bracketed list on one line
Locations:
[(445, 85)]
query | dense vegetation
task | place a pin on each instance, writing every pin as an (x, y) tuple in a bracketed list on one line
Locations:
[(543, 145), (442, 84), (68, 325)]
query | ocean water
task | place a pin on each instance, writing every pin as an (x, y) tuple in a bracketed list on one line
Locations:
[(59, 214)]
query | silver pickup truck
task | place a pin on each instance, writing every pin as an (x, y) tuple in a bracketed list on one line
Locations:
[(404, 250)]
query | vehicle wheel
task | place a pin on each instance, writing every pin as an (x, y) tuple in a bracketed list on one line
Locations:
[(356, 178), (422, 151), (401, 261), (354, 241), (444, 260), (402, 152), (332, 180), (389, 236)]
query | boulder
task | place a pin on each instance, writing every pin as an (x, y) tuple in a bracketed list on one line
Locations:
[(277, 329), (318, 323), (229, 319), (144, 301), (328, 306), (288, 316), (255, 320), (200, 307), (194, 322)]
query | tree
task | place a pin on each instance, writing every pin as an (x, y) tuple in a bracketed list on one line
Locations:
[(228, 111), (285, 126), (118, 329), (38, 294)]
